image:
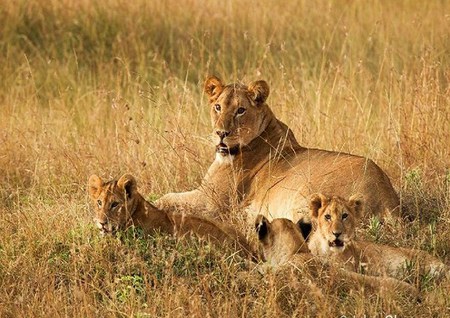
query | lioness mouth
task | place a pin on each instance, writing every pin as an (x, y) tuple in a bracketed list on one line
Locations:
[(336, 243), (224, 150)]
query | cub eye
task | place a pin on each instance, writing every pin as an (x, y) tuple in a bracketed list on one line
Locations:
[(114, 204), (217, 107), (99, 203), (327, 217), (241, 110), (344, 216)]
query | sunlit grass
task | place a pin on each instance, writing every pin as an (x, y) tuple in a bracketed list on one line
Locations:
[(116, 87)]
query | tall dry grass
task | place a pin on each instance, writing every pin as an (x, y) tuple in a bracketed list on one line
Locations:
[(115, 87)]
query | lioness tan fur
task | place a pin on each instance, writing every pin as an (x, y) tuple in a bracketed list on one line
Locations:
[(335, 221), (283, 245), (118, 205), (260, 166)]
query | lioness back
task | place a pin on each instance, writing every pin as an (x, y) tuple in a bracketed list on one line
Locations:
[(260, 166)]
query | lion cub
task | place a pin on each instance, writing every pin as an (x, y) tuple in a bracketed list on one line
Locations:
[(280, 240), (119, 205), (282, 245), (335, 221)]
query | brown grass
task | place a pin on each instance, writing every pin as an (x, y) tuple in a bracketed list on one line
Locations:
[(115, 86)]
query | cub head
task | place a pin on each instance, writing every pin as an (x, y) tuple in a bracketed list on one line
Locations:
[(237, 113), (279, 239), (114, 202), (335, 219)]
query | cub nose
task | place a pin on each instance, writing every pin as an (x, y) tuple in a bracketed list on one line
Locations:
[(336, 234), (102, 222), (222, 133)]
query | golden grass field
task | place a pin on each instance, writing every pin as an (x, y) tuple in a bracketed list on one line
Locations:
[(115, 86)]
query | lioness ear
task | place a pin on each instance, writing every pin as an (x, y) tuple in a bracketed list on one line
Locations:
[(94, 184), (128, 183), (262, 226), (259, 91), (213, 88), (356, 201), (316, 201)]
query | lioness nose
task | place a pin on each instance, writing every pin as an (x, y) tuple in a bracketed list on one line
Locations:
[(336, 234), (222, 133)]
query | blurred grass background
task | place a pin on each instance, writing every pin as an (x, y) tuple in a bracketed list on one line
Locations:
[(116, 86)]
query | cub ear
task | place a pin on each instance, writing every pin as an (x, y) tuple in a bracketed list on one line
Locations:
[(305, 227), (356, 202), (213, 87), (259, 91), (316, 202), (262, 226), (94, 185), (128, 183)]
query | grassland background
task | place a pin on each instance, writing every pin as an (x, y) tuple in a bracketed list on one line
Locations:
[(116, 86)]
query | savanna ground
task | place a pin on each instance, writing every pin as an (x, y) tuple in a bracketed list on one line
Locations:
[(116, 86)]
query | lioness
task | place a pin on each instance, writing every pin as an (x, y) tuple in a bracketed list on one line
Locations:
[(119, 205), (260, 166), (283, 245), (335, 221)]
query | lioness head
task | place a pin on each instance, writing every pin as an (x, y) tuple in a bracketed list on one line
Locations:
[(237, 113), (279, 239), (114, 202), (335, 219)]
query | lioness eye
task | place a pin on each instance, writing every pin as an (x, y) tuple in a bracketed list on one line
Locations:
[(344, 216), (327, 217), (114, 204), (241, 110), (217, 107), (99, 203)]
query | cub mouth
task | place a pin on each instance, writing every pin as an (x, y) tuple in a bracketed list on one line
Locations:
[(105, 229), (224, 150), (336, 243)]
